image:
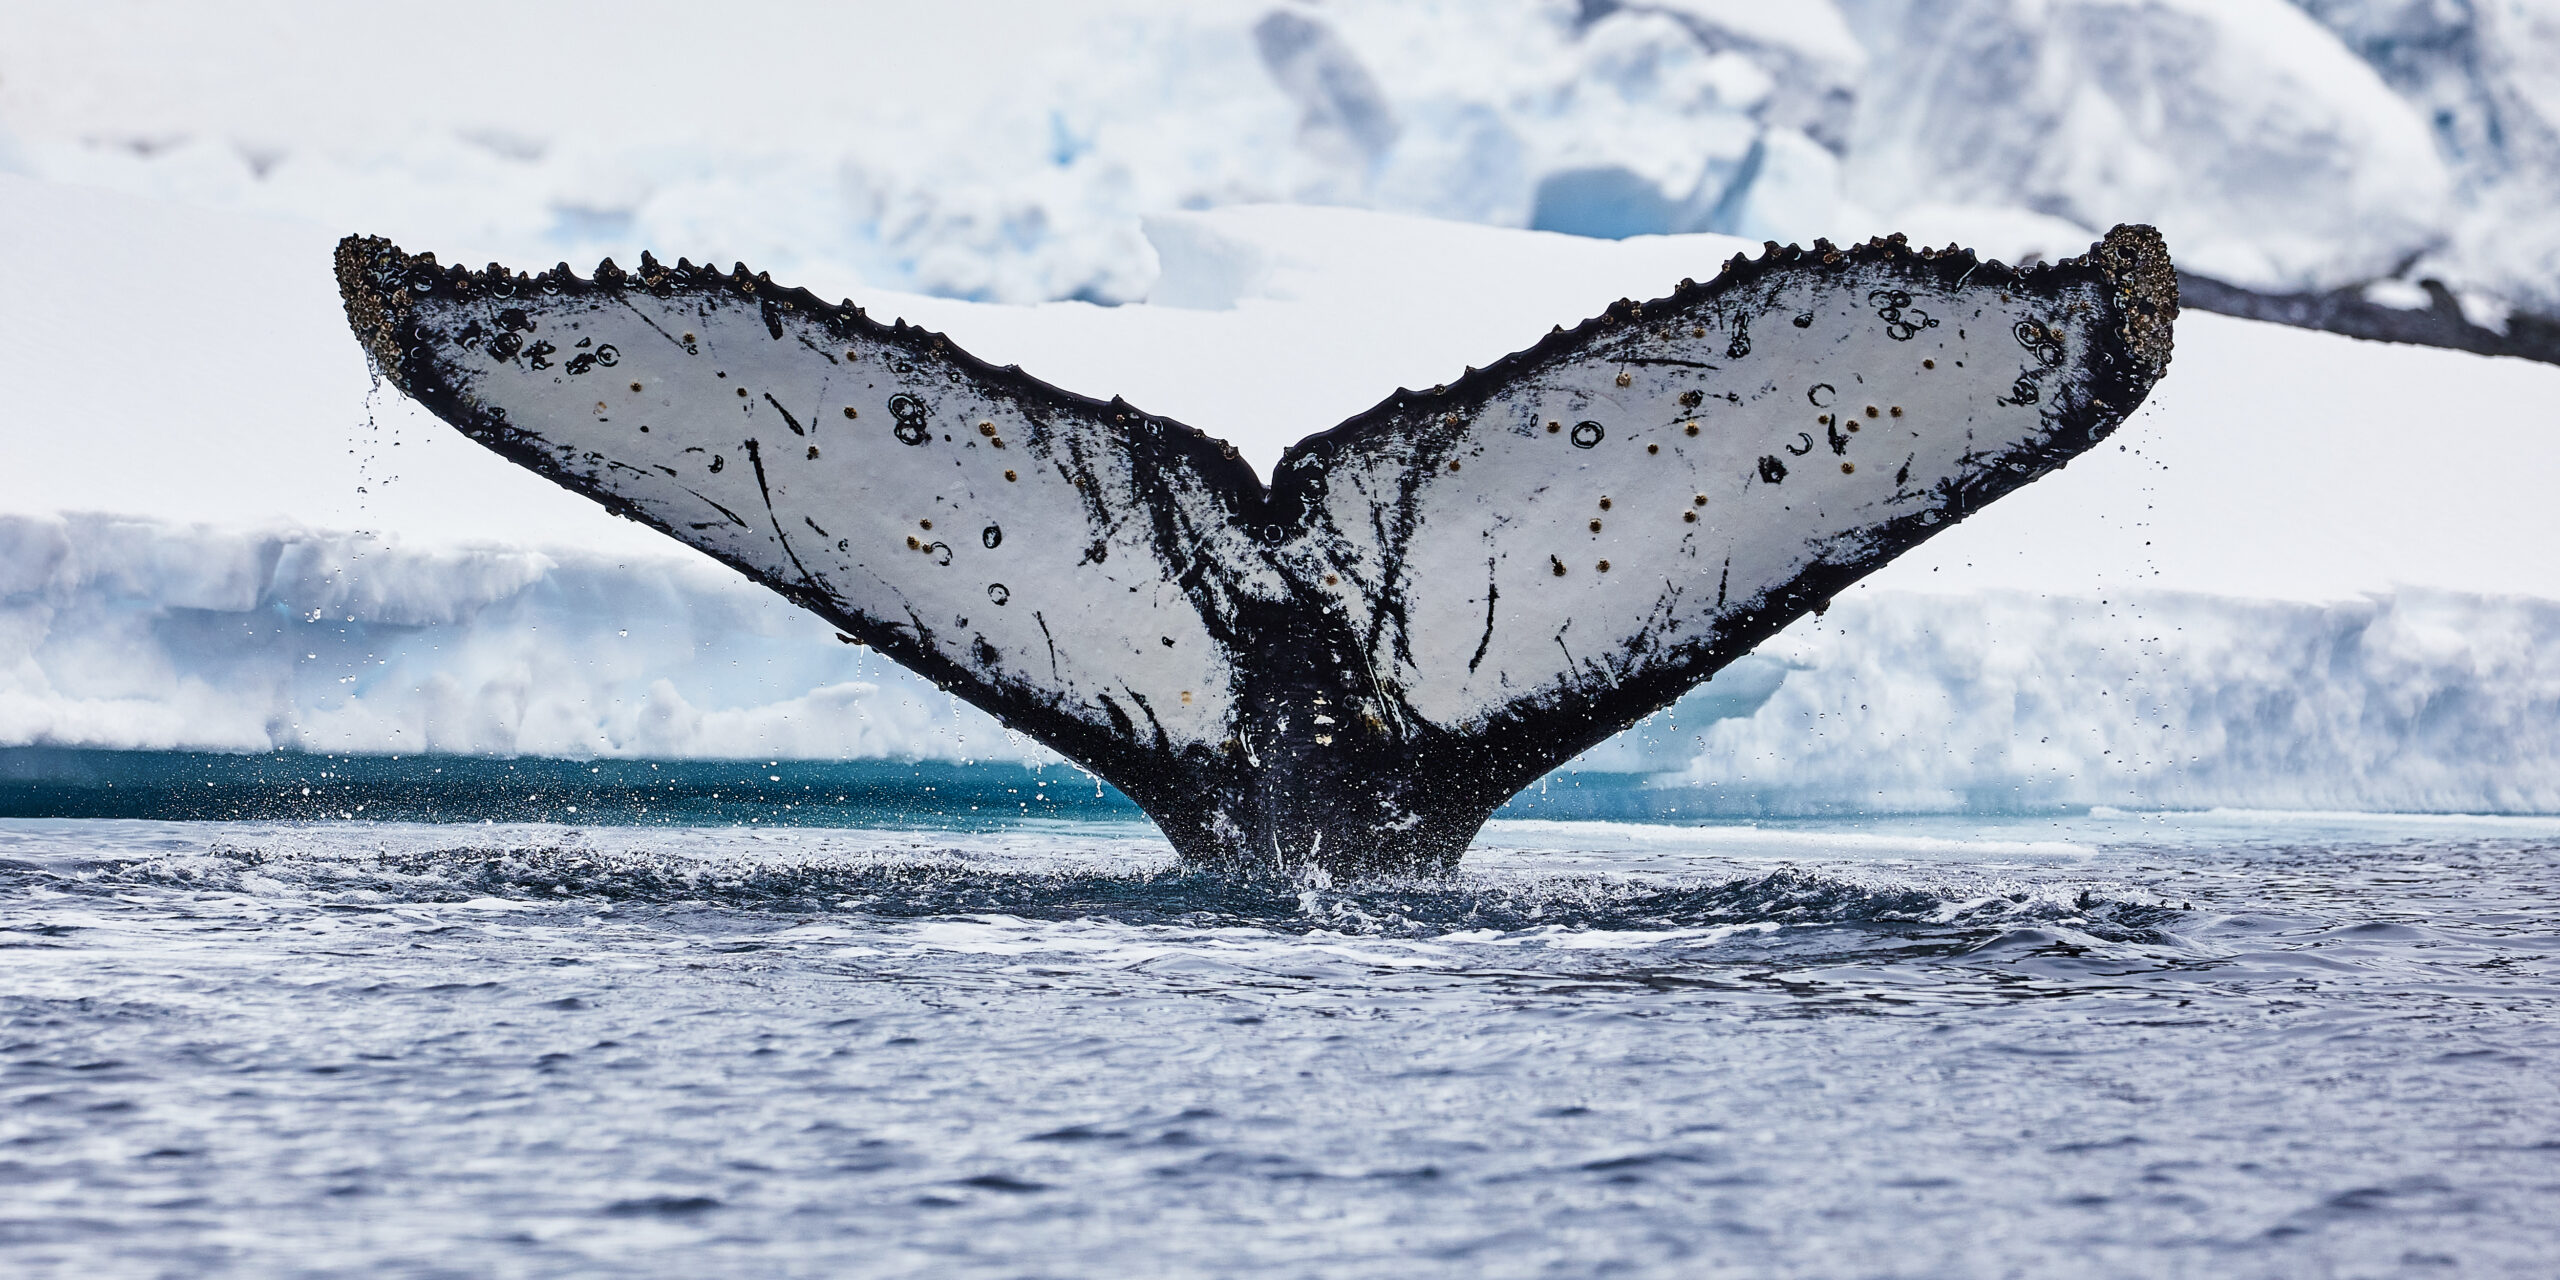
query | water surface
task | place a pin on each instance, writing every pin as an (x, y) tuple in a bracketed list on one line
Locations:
[(2218, 1045)]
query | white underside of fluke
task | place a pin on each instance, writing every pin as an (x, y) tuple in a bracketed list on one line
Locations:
[(1426, 607)]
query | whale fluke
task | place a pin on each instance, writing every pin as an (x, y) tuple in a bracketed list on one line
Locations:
[(1430, 606)]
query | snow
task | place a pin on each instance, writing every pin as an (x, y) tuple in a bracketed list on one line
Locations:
[(2482, 75), (2281, 464), (1005, 151), (2416, 701), (196, 366), (2271, 463), (2267, 153), (1815, 29), (133, 633), (2323, 564), (142, 633)]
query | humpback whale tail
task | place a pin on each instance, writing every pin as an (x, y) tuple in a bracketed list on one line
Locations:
[(1428, 607)]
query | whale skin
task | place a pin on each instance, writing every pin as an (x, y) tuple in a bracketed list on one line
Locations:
[(1427, 607)]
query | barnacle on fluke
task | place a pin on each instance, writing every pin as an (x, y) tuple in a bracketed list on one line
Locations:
[(1352, 666)]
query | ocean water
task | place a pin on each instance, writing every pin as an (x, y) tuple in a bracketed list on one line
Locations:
[(2207, 1045)]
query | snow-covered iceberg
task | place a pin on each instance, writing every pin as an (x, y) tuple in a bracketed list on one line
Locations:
[(1007, 154)]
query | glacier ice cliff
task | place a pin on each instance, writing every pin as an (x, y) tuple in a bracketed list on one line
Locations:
[(117, 632), (128, 633)]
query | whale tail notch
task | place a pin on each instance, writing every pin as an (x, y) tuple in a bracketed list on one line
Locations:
[(1429, 607)]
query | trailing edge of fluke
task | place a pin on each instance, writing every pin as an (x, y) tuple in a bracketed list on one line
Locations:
[(1428, 607)]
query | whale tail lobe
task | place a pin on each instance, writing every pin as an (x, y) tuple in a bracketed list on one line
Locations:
[(1430, 605)]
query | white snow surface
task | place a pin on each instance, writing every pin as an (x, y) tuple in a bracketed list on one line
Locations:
[(2321, 565)]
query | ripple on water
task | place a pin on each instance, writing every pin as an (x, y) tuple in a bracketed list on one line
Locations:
[(540, 1051)]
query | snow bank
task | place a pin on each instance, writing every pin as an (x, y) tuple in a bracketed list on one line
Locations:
[(2419, 701), (118, 632), (128, 633)]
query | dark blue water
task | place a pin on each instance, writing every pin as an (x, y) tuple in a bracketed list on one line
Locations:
[(2226, 1045)]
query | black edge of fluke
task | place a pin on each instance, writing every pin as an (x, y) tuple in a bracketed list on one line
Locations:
[(1471, 768), (2132, 260), (376, 278)]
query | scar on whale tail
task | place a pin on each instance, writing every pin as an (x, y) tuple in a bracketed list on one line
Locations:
[(1427, 608)]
